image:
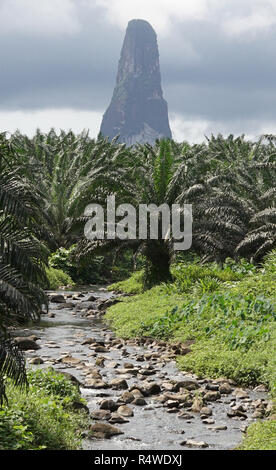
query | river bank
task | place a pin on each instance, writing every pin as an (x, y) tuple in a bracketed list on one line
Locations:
[(133, 388)]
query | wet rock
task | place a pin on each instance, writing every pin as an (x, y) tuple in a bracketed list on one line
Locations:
[(127, 397), (119, 384), (236, 413), (185, 415), (196, 444), (93, 374), (125, 411), (212, 387), (225, 388), (139, 402), (57, 299), (117, 419), (151, 388), (95, 383), (208, 421), (147, 372), (70, 360), (212, 396), (260, 388), (206, 411), (101, 415), (128, 365), (105, 431), (172, 404), (27, 343), (197, 405), (258, 414), (100, 361), (218, 428), (91, 298), (101, 349), (240, 393), (109, 405), (89, 341), (137, 393), (36, 361)]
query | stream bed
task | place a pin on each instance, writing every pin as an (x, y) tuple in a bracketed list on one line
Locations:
[(135, 385)]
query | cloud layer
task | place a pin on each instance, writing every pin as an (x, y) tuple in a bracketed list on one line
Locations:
[(216, 57)]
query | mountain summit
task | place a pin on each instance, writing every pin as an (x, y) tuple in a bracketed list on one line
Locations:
[(138, 112)]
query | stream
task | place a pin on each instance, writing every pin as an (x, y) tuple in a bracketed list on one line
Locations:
[(168, 413)]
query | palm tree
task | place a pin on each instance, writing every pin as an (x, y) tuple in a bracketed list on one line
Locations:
[(164, 174), (22, 261), (62, 168)]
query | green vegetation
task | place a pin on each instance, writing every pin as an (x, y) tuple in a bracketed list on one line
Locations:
[(220, 295), (229, 313), (57, 278), (44, 416)]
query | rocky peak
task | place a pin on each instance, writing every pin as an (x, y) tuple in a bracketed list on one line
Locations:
[(138, 112)]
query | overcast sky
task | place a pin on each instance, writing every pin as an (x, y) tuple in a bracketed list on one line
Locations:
[(59, 59)]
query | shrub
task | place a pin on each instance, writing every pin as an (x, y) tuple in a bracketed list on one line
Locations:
[(57, 278), (40, 418)]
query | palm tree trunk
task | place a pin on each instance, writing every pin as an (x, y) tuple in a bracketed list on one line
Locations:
[(158, 263)]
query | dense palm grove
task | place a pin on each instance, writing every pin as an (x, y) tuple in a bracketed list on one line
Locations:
[(47, 181)]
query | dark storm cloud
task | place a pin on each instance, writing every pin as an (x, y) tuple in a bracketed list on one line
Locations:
[(206, 73)]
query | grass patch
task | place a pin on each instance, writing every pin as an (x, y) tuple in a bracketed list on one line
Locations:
[(42, 417), (260, 436), (133, 285)]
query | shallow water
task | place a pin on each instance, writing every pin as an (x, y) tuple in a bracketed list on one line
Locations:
[(152, 427)]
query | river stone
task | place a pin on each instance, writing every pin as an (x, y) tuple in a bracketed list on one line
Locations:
[(206, 411), (128, 365), (91, 298), (100, 361), (188, 384), (125, 411), (119, 384), (137, 393), (172, 404), (191, 443), (101, 415), (93, 374), (127, 397), (106, 431), (89, 341), (101, 349), (109, 405), (225, 388), (197, 405), (208, 421), (212, 396), (57, 299), (36, 361), (117, 419), (240, 393), (151, 388), (95, 383), (217, 428), (72, 361), (26, 344), (139, 402), (185, 415)]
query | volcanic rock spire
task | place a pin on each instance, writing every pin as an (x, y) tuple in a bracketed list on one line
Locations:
[(138, 112)]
